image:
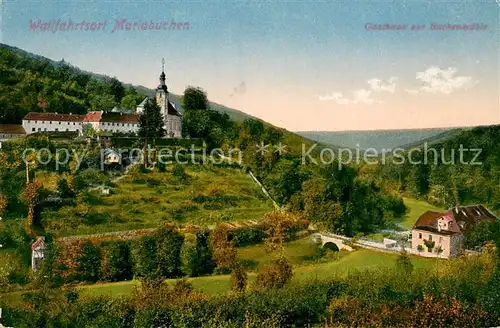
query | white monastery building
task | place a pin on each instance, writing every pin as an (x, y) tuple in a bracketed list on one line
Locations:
[(107, 121)]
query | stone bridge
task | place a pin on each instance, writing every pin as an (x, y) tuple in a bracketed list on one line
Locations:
[(329, 239)]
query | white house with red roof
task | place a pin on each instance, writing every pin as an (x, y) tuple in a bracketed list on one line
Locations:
[(444, 232), (37, 253), (52, 122), (10, 131), (113, 121)]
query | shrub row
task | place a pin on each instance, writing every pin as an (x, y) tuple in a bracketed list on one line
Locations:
[(255, 234), (362, 300), (157, 255)]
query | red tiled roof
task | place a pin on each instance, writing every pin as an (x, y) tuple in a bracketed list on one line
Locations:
[(468, 216), (12, 129), (429, 218), (37, 243), (464, 218), (54, 117), (93, 117)]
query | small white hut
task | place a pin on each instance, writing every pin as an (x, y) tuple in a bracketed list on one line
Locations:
[(37, 253)]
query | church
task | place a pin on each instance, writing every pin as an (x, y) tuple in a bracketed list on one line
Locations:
[(113, 121), (171, 116)]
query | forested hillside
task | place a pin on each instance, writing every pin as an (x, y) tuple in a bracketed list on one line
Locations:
[(446, 177), (32, 83)]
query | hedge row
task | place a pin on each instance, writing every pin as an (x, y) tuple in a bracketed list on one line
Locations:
[(158, 255), (165, 252), (257, 233)]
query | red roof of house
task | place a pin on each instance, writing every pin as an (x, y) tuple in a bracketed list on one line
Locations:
[(93, 117), (465, 218), (37, 243), (54, 117), (12, 129)]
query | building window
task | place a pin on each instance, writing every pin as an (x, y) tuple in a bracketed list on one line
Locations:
[(32, 129), (50, 122), (440, 240), (57, 130), (430, 237), (419, 236), (59, 122)]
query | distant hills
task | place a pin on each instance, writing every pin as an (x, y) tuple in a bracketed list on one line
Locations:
[(380, 139)]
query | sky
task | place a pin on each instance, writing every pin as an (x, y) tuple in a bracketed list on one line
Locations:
[(302, 65)]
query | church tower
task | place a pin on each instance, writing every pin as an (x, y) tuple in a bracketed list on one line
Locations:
[(162, 92)]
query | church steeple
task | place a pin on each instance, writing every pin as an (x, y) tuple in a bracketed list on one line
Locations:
[(162, 76)]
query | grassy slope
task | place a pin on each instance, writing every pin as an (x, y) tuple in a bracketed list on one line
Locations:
[(415, 209), (150, 200), (357, 260)]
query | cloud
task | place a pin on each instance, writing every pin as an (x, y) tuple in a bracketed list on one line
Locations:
[(335, 96), (440, 81), (378, 85), (360, 96)]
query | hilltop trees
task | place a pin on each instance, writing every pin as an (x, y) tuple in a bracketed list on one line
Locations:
[(199, 121), (32, 83), (195, 99)]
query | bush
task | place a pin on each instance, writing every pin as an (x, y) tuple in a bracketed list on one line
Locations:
[(63, 188), (276, 275), (197, 256), (239, 278), (90, 178), (88, 263), (168, 252), (144, 257), (179, 173), (116, 262), (403, 263)]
